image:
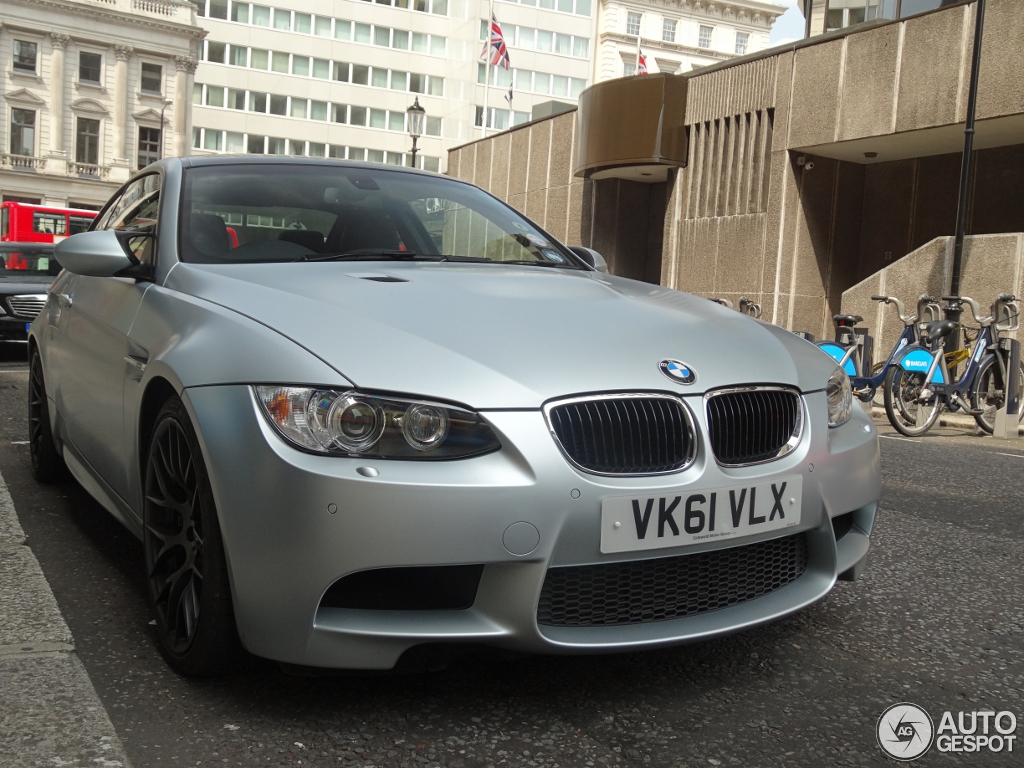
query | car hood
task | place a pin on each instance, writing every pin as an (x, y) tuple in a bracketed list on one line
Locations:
[(503, 336)]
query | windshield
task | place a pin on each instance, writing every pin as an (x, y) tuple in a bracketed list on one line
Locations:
[(264, 213), (19, 265)]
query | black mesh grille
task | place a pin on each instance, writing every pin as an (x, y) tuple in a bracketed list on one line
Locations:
[(671, 587), (747, 427), (625, 436)]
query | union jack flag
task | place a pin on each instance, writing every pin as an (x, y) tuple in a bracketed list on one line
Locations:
[(641, 67), (497, 48)]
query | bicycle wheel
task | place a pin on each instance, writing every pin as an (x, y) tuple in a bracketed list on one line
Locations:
[(989, 393), (906, 413)]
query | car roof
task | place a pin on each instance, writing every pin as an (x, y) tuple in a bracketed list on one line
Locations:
[(207, 160)]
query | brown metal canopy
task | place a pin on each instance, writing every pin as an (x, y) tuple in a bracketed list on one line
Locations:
[(630, 122)]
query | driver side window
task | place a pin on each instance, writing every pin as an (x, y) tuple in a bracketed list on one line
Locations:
[(137, 210)]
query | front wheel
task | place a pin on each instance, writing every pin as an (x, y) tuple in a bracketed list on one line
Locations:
[(907, 414), (47, 463), (989, 393), (186, 569)]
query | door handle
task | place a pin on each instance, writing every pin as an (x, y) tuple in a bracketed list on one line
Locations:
[(65, 299)]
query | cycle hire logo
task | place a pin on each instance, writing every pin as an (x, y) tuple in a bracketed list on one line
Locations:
[(905, 731)]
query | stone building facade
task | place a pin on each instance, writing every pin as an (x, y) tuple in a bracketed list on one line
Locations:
[(810, 168), (677, 36), (91, 91)]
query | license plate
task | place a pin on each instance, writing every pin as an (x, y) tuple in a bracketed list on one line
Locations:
[(630, 523)]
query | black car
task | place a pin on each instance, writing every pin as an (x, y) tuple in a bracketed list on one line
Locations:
[(26, 271)]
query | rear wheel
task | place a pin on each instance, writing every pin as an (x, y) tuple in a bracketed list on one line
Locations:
[(47, 463), (989, 393), (186, 569), (907, 414)]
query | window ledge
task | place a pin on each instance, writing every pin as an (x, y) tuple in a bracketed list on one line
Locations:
[(28, 77), (156, 98), (85, 85)]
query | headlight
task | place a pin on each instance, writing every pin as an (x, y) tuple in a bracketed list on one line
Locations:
[(349, 423), (839, 394)]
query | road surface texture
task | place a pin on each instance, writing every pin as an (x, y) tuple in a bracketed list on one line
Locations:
[(937, 620)]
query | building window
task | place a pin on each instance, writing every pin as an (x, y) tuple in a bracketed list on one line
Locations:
[(149, 146), (87, 141), (668, 30), (25, 56), (23, 132), (742, 38), (89, 65), (152, 78), (704, 37), (218, 9), (632, 23), (628, 69)]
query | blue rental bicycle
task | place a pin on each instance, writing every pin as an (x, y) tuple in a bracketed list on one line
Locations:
[(849, 350), (920, 383)]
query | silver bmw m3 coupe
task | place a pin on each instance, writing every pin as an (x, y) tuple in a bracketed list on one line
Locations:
[(351, 409)]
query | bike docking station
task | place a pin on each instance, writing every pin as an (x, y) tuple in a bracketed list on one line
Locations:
[(1008, 415)]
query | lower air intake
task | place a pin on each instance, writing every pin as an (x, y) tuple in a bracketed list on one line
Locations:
[(643, 591)]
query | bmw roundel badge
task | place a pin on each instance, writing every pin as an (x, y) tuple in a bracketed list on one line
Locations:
[(679, 372)]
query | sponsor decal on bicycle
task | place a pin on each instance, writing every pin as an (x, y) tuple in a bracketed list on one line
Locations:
[(919, 361), (906, 731)]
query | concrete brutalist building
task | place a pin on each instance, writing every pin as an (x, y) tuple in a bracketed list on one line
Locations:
[(807, 177)]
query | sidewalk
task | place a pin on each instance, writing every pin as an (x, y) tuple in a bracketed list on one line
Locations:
[(50, 714)]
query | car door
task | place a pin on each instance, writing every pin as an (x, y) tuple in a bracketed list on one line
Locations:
[(96, 359)]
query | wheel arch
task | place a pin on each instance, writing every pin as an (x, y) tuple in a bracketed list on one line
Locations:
[(158, 391)]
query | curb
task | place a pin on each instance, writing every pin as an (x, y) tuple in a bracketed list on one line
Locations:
[(50, 714), (946, 419)]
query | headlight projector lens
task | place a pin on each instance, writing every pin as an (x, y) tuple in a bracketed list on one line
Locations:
[(354, 424), (424, 427)]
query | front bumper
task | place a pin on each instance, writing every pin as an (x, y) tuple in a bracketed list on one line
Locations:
[(285, 548), (13, 328)]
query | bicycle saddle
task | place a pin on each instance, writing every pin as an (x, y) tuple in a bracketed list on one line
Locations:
[(939, 328), (847, 319)]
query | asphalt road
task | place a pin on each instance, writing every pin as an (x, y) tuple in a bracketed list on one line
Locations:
[(937, 620)]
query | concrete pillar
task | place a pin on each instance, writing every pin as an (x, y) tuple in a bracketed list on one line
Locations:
[(120, 119), (59, 42), (185, 68)]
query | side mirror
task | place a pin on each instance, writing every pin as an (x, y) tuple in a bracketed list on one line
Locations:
[(98, 254), (591, 257)]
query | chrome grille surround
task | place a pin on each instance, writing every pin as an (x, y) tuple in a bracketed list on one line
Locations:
[(686, 427), (773, 446), (27, 305)]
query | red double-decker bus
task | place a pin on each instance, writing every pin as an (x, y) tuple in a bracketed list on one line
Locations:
[(26, 223)]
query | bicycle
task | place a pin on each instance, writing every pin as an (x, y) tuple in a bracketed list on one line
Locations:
[(848, 348), (750, 308), (919, 385)]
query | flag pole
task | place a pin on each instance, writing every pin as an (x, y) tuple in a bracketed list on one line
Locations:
[(487, 70), (639, 34)]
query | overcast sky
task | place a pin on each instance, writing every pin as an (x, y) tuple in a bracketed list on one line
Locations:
[(790, 25)]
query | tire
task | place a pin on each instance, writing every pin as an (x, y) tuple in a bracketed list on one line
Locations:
[(186, 570), (47, 464), (989, 392), (907, 416)]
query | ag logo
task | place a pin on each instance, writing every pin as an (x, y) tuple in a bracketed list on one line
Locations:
[(679, 372), (905, 731)]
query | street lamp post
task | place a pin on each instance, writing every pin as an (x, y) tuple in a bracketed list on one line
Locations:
[(416, 117), (167, 103)]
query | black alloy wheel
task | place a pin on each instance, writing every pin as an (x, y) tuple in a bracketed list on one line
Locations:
[(47, 463), (185, 565)]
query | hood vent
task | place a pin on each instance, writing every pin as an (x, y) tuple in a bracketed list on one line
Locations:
[(383, 279)]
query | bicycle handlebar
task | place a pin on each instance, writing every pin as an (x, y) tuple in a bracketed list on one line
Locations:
[(975, 308), (900, 309)]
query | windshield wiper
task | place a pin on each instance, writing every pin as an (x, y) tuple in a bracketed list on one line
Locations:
[(532, 263), (371, 254)]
